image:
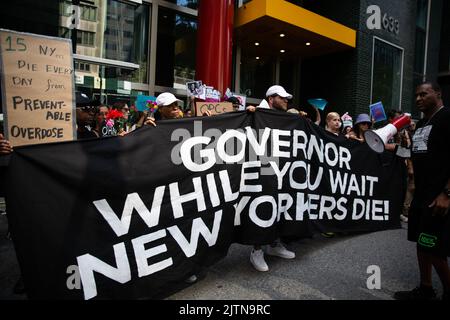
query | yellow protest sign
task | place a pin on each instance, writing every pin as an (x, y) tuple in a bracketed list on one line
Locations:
[(37, 88)]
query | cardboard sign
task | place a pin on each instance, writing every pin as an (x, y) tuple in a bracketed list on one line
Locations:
[(377, 112), (213, 107), (37, 88)]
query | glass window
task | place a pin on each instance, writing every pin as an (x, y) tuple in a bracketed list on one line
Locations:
[(65, 8), (419, 59), (387, 76), (176, 48), (422, 13), (288, 74), (108, 84), (82, 66), (257, 74), (88, 13), (421, 25), (113, 30), (192, 4), (85, 38)]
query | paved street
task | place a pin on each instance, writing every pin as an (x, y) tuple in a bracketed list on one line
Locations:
[(325, 268)]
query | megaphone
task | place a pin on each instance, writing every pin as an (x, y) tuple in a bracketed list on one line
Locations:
[(377, 138)]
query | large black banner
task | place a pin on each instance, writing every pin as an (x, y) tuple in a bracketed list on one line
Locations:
[(131, 217)]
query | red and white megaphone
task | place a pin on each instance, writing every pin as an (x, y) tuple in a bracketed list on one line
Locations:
[(377, 138)]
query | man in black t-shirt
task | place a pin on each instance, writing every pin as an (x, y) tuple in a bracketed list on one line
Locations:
[(429, 222)]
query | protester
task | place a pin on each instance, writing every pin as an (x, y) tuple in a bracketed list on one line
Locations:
[(167, 109), (410, 180), (400, 143), (333, 123), (127, 123), (122, 107), (235, 102), (85, 116), (400, 138), (362, 124), (429, 222), (100, 122), (276, 99), (347, 124)]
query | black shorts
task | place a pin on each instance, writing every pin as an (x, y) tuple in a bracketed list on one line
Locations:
[(432, 233)]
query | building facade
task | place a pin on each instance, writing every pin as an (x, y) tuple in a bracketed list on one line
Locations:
[(351, 53)]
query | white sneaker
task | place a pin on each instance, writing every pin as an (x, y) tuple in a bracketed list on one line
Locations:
[(257, 260), (280, 251)]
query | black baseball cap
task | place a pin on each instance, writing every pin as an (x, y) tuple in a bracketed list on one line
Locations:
[(82, 100), (234, 100)]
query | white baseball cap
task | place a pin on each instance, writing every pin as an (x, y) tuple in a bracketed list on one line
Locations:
[(165, 99), (279, 90)]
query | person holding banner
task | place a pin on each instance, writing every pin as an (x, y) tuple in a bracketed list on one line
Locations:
[(333, 123), (276, 99), (429, 221), (100, 121), (235, 102), (167, 109), (362, 124), (86, 110)]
